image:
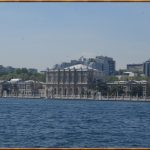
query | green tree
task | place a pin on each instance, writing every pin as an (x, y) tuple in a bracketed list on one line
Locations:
[(101, 86)]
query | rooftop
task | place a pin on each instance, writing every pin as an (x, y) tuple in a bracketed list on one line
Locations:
[(15, 80), (79, 66)]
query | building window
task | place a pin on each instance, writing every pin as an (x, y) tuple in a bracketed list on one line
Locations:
[(65, 92), (76, 91), (70, 91), (55, 91), (82, 91), (59, 91)]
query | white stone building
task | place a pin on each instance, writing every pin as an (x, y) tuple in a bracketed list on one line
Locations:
[(23, 89), (72, 82)]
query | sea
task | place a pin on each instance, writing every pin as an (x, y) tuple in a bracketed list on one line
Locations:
[(35, 123)]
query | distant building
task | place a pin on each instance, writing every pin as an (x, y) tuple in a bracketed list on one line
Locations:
[(147, 68), (105, 64), (128, 74), (135, 67), (73, 81), (22, 89), (1, 88), (129, 88), (101, 63)]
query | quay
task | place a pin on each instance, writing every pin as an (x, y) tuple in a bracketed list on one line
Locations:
[(123, 99), (103, 99)]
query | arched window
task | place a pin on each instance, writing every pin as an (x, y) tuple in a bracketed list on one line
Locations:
[(49, 78), (72, 77), (59, 92), (65, 92), (82, 91), (55, 91), (76, 91), (70, 91)]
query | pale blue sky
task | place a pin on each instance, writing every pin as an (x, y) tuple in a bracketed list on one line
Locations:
[(40, 35)]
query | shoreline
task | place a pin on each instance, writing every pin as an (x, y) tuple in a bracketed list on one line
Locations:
[(129, 99)]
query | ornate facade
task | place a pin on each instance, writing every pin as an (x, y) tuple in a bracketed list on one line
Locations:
[(22, 89), (74, 81), (129, 88)]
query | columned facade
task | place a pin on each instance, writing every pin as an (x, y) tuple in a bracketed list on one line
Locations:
[(129, 88), (70, 82)]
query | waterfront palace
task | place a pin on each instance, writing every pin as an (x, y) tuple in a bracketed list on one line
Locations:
[(72, 82)]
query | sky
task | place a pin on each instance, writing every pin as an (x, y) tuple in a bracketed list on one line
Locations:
[(40, 35)]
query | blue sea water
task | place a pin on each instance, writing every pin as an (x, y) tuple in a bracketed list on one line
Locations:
[(74, 123)]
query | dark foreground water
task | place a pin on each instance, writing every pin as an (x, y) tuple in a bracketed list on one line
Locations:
[(64, 123)]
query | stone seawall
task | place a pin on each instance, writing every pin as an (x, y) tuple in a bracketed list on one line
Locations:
[(146, 99)]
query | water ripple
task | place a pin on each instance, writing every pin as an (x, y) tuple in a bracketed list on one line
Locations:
[(63, 123)]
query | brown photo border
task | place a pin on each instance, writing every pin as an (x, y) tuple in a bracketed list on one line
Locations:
[(74, 148), (74, 1)]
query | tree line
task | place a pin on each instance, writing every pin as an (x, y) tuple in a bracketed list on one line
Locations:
[(24, 74)]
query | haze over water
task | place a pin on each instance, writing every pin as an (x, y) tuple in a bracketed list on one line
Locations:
[(74, 123)]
